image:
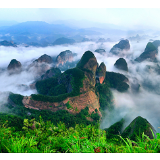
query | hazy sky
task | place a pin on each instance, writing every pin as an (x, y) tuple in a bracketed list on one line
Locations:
[(127, 17)]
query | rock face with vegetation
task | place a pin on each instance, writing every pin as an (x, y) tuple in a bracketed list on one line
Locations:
[(65, 56), (149, 53), (121, 64), (88, 64), (123, 45), (44, 58), (137, 127), (14, 66), (72, 90)]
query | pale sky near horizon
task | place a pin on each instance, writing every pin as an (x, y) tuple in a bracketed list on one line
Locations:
[(120, 16)]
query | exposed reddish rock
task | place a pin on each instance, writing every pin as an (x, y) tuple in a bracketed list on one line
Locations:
[(86, 98), (101, 73), (101, 79), (78, 103)]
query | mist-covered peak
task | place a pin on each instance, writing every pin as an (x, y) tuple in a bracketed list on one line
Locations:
[(149, 53), (14, 64), (150, 47), (121, 46), (121, 64), (44, 58), (64, 56)]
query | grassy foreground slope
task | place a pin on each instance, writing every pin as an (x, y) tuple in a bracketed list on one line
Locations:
[(44, 137)]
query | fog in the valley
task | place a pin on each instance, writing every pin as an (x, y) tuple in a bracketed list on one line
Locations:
[(127, 105)]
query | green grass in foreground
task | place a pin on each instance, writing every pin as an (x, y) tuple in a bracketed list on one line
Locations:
[(44, 137)]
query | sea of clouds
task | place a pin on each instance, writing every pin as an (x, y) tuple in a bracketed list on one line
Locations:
[(128, 105)]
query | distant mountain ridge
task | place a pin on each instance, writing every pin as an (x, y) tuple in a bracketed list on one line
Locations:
[(37, 27)]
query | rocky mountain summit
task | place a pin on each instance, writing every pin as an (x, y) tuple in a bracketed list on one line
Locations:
[(65, 56), (123, 45), (138, 126), (65, 60), (121, 64), (14, 66), (149, 53), (40, 65), (44, 58)]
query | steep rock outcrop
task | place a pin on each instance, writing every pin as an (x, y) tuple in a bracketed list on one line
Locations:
[(65, 56), (137, 127), (88, 64), (123, 45), (14, 66), (121, 64), (149, 53), (101, 73)]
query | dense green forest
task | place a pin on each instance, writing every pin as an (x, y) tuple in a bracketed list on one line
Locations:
[(51, 91), (117, 81)]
